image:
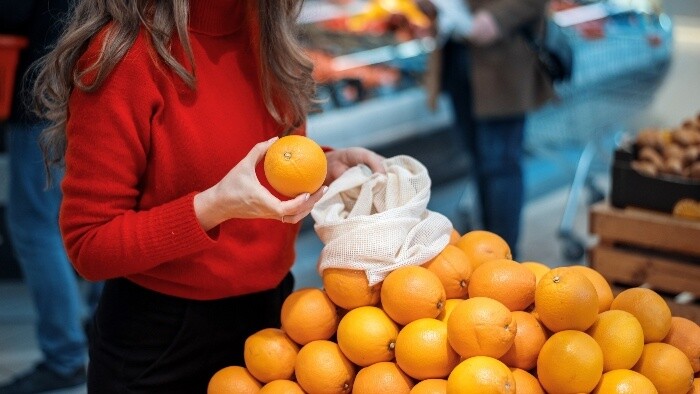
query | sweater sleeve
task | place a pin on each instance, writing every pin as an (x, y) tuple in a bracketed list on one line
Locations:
[(106, 234)]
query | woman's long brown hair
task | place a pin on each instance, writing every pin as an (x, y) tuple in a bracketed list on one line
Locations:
[(286, 81)]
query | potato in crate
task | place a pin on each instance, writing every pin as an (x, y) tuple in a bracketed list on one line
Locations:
[(660, 171)]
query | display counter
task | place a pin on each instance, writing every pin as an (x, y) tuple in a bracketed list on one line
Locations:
[(369, 68)]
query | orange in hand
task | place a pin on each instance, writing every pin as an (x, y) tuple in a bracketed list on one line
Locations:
[(295, 164)]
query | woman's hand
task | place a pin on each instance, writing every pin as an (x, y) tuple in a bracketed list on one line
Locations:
[(485, 30), (241, 195), (341, 160)]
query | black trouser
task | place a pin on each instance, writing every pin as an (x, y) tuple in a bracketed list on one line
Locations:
[(456, 81), (147, 342)]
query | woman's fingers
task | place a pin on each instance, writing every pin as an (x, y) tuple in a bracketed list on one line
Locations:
[(296, 209), (374, 161), (258, 152)]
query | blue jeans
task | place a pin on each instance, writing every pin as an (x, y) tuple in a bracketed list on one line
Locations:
[(32, 221), (497, 159), (495, 147)]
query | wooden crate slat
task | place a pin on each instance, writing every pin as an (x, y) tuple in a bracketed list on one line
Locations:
[(646, 229), (634, 269), (689, 311)]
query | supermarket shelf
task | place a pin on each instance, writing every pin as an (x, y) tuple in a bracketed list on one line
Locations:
[(598, 10), (319, 11), (380, 121), (386, 54)]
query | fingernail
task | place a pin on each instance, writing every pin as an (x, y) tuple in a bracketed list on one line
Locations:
[(306, 196), (325, 189), (273, 139)]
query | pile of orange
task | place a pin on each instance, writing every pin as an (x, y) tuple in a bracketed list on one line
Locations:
[(471, 320)]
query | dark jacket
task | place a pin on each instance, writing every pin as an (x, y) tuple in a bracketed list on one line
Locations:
[(506, 79), (40, 21)]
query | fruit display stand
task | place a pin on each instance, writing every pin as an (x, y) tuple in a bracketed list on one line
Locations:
[(638, 247), (368, 64)]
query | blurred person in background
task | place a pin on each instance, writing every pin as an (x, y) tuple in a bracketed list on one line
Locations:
[(32, 217), (161, 112), (493, 80)]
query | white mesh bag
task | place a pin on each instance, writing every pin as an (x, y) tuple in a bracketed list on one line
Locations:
[(379, 222)]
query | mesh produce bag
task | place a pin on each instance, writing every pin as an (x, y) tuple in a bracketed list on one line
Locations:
[(379, 222)]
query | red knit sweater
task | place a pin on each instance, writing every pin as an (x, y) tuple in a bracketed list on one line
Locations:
[(142, 145)]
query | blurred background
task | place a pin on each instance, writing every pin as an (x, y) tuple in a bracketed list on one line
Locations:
[(636, 67)]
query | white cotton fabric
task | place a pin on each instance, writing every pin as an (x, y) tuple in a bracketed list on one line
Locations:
[(379, 222)]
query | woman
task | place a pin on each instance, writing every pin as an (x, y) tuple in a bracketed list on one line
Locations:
[(162, 111)]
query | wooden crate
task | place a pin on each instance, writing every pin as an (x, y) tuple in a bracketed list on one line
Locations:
[(651, 249)]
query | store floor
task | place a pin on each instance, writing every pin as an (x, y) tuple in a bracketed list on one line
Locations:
[(548, 180)]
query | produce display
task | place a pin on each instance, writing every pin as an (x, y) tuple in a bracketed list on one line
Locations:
[(665, 161), (670, 152), (367, 53), (470, 320)]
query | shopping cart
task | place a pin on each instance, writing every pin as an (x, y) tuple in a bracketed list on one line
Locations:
[(617, 71)]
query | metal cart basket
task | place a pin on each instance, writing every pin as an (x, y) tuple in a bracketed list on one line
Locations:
[(615, 77)]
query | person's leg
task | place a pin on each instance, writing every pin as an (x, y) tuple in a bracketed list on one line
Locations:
[(32, 219), (456, 81), (498, 161)]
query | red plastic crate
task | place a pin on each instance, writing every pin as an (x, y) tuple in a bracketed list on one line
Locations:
[(10, 47)]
